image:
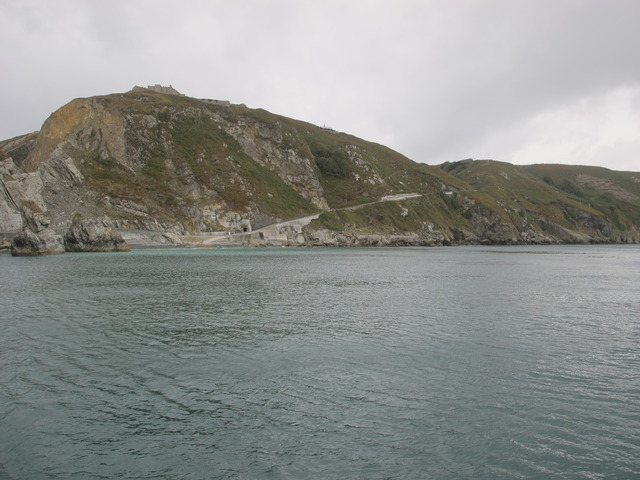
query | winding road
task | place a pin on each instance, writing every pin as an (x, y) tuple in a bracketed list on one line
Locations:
[(274, 230)]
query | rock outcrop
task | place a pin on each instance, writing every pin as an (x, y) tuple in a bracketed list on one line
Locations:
[(29, 244), (89, 235)]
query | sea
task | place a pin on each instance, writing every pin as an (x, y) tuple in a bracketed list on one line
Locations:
[(310, 363)]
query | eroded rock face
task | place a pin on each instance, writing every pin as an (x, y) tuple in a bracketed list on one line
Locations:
[(87, 124), (90, 235), (144, 136), (264, 143), (147, 163), (29, 244), (328, 238)]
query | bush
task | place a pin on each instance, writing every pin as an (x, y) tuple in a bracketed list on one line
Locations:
[(570, 188), (332, 162)]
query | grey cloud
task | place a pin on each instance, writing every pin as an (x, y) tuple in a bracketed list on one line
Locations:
[(434, 80)]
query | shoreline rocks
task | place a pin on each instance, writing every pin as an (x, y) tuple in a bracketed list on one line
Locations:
[(29, 244), (89, 235), (84, 235)]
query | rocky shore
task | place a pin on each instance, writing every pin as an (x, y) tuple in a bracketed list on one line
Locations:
[(84, 235)]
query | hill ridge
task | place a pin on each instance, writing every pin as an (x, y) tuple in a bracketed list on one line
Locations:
[(167, 166)]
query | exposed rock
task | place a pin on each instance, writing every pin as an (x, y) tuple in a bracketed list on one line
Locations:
[(10, 216), (264, 144), (29, 244), (606, 186), (144, 239), (19, 148), (152, 162), (328, 238), (89, 235), (87, 124)]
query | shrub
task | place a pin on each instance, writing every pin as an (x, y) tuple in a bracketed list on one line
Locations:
[(332, 162)]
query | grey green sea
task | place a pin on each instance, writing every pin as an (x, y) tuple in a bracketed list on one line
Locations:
[(305, 363)]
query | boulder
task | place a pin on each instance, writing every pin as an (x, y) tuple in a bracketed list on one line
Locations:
[(89, 235), (29, 244)]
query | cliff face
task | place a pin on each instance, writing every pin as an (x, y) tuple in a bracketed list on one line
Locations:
[(146, 162), (157, 162)]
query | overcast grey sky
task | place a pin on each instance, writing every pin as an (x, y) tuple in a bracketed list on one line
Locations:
[(522, 81)]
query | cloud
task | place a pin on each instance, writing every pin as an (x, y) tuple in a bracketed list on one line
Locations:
[(599, 130), (434, 80), (516, 63)]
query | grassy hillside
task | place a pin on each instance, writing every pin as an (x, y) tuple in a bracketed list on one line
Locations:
[(153, 160), (181, 158), (613, 194), (574, 197)]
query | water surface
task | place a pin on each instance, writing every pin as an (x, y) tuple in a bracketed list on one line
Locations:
[(468, 362)]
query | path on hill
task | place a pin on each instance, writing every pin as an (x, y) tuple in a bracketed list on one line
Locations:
[(273, 230), (303, 221), (387, 198)]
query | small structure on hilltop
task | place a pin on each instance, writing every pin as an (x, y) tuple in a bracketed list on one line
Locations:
[(172, 91), (159, 89)]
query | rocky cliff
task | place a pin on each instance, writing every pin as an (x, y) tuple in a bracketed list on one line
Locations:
[(168, 168)]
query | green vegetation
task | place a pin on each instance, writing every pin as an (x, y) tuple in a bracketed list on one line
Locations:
[(108, 176), (389, 217), (332, 161), (614, 195), (190, 155), (218, 161), (574, 197), (202, 153)]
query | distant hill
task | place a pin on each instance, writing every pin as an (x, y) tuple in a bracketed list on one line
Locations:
[(163, 167)]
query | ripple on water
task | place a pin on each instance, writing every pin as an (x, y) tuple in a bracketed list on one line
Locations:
[(407, 363)]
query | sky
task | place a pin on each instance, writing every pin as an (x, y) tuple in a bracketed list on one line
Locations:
[(520, 81)]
